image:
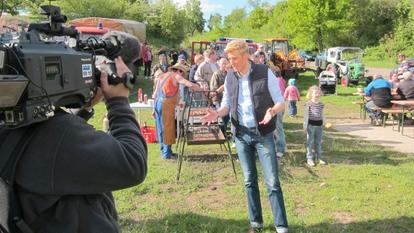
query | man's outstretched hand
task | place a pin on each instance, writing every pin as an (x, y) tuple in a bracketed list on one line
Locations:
[(210, 117)]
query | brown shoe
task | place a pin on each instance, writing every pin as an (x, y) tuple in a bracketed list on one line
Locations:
[(254, 230)]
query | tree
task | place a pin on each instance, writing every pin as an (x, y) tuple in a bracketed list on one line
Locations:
[(234, 19), (257, 18), (214, 22), (194, 16), (167, 22)]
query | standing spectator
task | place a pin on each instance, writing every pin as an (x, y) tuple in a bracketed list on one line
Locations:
[(217, 81), (173, 56), (313, 120), (206, 69), (166, 96), (183, 89), (380, 91), (292, 95), (182, 60), (144, 55), (147, 62), (406, 87), (252, 95), (198, 59), (279, 133), (261, 49), (217, 84), (162, 65)]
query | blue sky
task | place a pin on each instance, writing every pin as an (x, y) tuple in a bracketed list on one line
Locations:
[(223, 7)]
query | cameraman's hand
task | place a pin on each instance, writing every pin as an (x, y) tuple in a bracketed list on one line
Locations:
[(110, 91), (121, 68)]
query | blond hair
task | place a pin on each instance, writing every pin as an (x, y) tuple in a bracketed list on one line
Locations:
[(311, 89), (237, 45)]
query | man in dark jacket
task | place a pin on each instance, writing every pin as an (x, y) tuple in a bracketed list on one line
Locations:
[(66, 174), (252, 95)]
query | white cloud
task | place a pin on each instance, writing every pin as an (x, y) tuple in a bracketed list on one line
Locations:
[(209, 7), (205, 5)]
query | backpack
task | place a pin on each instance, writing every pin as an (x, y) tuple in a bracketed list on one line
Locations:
[(13, 143)]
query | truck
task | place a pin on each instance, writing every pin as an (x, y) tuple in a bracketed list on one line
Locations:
[(97, 27), (344, 62), (286, 60)]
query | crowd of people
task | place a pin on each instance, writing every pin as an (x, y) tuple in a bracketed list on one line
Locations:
[(382, 91)]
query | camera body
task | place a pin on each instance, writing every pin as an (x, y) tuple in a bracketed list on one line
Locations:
[(38, 75)]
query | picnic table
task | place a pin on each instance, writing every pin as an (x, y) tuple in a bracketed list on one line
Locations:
[(405, 105)]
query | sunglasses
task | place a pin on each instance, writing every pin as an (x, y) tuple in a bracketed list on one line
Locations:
[(178, 70)]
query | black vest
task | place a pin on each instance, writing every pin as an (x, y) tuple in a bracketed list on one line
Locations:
[(382, 97), (262, 100)]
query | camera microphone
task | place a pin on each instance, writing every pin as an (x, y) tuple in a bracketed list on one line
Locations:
[(122, 44)]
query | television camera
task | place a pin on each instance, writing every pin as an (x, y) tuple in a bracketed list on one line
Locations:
[(38, 74)]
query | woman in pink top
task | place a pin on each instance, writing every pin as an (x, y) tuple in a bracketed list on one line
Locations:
[(292, 95)]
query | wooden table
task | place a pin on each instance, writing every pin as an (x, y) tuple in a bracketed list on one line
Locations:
[(405, 105)]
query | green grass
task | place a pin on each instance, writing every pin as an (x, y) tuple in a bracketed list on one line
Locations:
[(365, 187), (380, 63)]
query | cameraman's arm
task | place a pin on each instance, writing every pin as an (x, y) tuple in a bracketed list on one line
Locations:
[(71, 157)]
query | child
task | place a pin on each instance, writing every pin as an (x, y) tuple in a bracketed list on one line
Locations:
[(313, 122), (292, 95)]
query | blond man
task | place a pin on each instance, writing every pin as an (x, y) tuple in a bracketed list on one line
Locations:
[(252, 95)]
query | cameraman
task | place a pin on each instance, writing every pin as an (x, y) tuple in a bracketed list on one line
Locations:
[(66, 173)]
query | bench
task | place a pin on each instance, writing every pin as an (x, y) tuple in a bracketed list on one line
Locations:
[(362, 112), (387, 111)]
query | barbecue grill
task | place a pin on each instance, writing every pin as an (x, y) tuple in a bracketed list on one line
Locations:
[(191, 132)]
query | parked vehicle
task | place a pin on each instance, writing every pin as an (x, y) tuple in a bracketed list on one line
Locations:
[(287, 60), (344, 62), (307, 55), (327, 82), (96, 27)]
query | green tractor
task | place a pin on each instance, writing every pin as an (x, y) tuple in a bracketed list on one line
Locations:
[(345, 62)]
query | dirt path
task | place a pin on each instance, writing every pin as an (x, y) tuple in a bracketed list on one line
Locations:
[(386, 137), (385, 72)]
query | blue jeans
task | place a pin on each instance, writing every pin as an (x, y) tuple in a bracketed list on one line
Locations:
[(292, 110), (314, 139), (279, 133), (247, 143), (373, 114), (166, 151)]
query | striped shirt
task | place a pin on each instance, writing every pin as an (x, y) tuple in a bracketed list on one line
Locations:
[(313, 114), (315, 111)]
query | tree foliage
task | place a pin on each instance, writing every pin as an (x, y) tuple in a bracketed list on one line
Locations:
[(194, 17), (214, 22)]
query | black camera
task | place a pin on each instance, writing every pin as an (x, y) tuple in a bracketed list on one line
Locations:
[(39, 74)]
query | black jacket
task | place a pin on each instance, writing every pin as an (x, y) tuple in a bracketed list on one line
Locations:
[(66, 175)]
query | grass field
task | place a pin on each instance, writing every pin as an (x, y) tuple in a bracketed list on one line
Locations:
[(364, 188)]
